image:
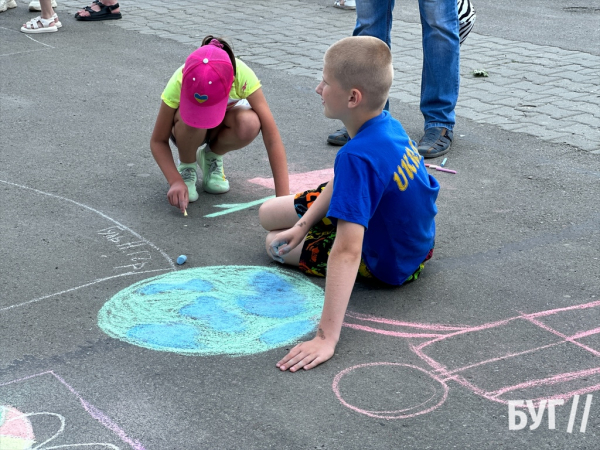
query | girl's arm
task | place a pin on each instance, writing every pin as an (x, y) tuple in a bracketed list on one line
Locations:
[(159, 145), (273, 142)]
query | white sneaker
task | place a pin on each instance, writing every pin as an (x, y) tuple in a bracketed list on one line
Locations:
[(7, 4), (35, 5)]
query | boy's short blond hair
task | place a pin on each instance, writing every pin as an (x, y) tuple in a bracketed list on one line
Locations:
[(365, 63)]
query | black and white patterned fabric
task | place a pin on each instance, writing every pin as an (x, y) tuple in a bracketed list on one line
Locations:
[(466, 18)]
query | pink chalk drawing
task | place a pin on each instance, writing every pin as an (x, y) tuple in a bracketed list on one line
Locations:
[(299, 182), (16, 428), (16, 432), (497, 360)]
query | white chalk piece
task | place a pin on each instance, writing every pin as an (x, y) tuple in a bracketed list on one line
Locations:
[(181, 259)]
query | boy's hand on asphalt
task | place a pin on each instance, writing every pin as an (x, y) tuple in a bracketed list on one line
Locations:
[(178, 195), (308, 354)]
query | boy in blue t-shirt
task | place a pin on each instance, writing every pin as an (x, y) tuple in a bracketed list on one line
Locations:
[(375, 217)]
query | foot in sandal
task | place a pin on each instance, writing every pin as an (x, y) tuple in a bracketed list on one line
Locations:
[(56, 21), (40, 25), (107, 10)]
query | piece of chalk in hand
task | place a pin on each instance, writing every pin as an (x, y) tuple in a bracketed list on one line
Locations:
[(185, 213), (181, 259), (275, 252)]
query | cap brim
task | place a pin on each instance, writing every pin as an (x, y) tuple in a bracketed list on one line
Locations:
[(197, 115)]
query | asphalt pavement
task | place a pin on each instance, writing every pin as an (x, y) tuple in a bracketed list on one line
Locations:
[(106, 342)]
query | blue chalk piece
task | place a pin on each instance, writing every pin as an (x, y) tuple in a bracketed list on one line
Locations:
[(181, 259), (443, 162)]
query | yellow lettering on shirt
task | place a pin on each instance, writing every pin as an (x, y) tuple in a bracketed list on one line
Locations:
[(408, 167), (402, 183), (412, 145), (414, 156)]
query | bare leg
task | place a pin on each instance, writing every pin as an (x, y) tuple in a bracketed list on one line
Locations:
[(239, 128), (47, 10), (189, 139), (278, 213)]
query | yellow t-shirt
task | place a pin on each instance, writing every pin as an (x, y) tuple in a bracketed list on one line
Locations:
[(245, 83)]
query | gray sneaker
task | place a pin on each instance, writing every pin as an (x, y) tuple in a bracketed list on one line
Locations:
[(340, 137)]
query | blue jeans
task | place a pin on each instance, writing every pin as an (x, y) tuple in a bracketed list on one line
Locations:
[(441, 52)]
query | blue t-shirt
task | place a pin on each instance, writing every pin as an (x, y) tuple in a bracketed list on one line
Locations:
[(382, 184)]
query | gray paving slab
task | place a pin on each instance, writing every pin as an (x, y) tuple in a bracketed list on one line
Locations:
[(507, 309), (523, 66)]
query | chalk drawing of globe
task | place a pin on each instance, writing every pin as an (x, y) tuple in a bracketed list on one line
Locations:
[(232, 310)]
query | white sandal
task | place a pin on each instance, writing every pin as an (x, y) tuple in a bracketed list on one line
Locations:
[(56, 21), (40, 25), (345, 4)]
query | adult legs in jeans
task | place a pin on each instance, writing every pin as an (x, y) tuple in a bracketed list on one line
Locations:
[(373, 18), (440, 75), (441, 43)]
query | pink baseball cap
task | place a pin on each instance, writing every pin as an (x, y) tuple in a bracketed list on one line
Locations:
[(205, 87)]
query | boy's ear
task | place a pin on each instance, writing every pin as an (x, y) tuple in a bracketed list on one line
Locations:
[(355, 99)]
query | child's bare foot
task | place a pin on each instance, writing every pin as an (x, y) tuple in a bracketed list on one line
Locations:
[(106, 10)]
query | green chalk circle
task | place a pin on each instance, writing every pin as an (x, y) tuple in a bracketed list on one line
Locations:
[(229, 310)]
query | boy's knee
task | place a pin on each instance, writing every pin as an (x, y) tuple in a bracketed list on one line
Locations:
[(263, 214)]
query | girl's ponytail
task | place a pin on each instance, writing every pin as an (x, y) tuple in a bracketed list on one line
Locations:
[(221, 43)]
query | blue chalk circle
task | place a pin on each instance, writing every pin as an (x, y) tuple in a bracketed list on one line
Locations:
[(216, 310), (181, 259)]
